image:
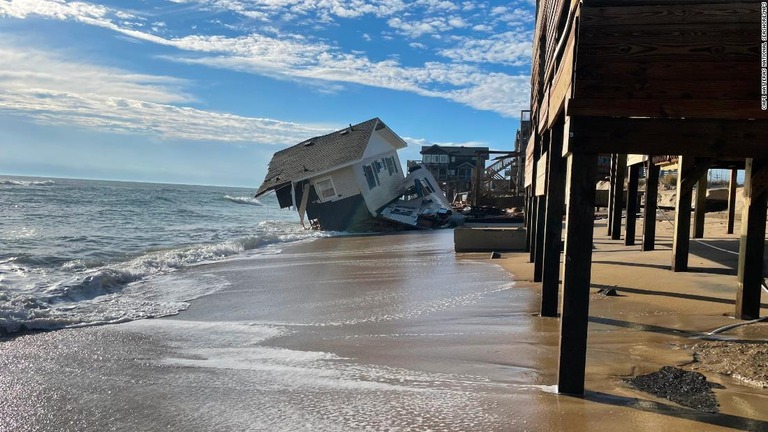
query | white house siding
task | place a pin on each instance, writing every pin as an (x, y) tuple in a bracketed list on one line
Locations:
[(390, 186), (377, 145), (344, 181)]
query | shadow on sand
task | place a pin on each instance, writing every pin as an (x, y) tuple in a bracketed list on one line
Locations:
[(719, 419)]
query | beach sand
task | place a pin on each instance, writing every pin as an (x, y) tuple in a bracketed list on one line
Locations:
[(392, 332)]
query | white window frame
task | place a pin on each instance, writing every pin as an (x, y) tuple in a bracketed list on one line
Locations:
[(322, 193)]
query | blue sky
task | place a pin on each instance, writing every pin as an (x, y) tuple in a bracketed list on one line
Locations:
[(204, 92)]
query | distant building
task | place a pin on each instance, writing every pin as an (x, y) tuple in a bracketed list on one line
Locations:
[(454, 167)]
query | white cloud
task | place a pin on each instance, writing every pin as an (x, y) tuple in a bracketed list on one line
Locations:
[(28, 69), (466, 79), (51, 90)]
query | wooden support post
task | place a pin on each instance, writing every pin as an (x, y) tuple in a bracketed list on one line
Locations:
[(538, 258), (732, 199), (612, 192), (550, 277), (752, 246), (577, 269), (618, 205), (479, 168), (689, 172), (700, 214), (634, 178), (530, 215), (651, 204)]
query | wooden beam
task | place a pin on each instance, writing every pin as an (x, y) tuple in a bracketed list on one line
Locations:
[(631, 225), (700, 214), (651, 204), (577, 268), (752, 246), (633, 12), (732, 185), (689, 172), (694, 137), (550, 278), (618, 206), (730, 109)]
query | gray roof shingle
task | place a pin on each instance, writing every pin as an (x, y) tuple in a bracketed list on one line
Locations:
[(318, 154)]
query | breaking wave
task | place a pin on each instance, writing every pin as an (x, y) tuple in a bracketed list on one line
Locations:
[(75, 293), (243, 200), (7, 182)]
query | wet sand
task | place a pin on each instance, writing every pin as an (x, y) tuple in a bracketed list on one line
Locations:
[(387, 333)]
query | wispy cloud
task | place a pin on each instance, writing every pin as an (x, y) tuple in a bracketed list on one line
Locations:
[(41, 86), (463, 78)]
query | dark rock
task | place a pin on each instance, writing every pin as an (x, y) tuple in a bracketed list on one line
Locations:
[(495, 255), (689, 389), (610, 292)]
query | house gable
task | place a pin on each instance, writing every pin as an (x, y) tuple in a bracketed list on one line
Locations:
[(318, 155)]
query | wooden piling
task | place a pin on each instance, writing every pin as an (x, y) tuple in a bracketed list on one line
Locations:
[(651, 204), (689, 172), (631, 225), (700, 213), (611, 192), (752, 246), (732, 185), (618, 206), (550, 277), (577, 267)]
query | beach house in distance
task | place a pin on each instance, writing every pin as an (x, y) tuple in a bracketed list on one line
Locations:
[(343, 181)]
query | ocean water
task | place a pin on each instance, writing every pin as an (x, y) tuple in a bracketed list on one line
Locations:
[(81, 252)]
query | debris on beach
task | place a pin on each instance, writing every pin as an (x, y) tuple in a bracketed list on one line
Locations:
[(744, 361), (608, 292), (689, 389)]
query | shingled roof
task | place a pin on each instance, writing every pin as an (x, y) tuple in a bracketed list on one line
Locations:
[(319, 154)]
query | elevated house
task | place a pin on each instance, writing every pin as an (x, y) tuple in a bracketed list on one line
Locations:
[(454, 167), (648, 77), (339, 180)]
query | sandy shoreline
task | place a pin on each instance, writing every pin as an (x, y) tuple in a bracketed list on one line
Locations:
[(387, 333)]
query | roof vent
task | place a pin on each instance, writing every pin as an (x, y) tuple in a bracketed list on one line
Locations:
[(308, 143), (347, 130)]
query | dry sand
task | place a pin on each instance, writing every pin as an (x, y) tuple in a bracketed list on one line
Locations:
[(662, 318)]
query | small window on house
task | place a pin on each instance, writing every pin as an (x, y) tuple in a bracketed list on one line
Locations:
[(453, 159), (444, 158), (390, 165), (325, 189), (394, 164), (369, 177), (451, 172)]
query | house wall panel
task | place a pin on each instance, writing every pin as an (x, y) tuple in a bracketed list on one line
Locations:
[(344, 181), (389, 187)]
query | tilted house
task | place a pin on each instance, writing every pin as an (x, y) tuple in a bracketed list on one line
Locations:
[(339, 180)]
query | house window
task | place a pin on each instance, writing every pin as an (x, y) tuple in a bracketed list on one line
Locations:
[(325, 189), (390, 161), (444, 158), (452, 172), (370, 176)]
